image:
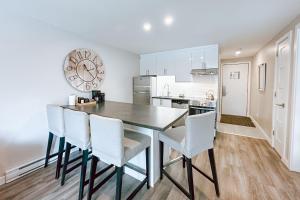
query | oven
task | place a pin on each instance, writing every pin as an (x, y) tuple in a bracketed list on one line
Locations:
[(194, 110)]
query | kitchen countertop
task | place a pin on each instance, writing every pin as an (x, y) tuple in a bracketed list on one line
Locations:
[(192, 101), (156, 118), (173, 97)]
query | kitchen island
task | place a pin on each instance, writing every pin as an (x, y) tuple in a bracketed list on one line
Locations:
[(148, 120)]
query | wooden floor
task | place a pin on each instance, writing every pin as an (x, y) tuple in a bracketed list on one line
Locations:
[(247, 169)]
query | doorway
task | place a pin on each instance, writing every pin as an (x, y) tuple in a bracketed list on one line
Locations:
[(235, 89), (281, 95)]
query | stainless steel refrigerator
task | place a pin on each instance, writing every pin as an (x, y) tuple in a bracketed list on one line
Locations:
[(144, 88)]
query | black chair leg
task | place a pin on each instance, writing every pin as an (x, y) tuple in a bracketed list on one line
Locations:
[(214, 170), (190, 177), (183, 161), (60, 155), (85, 155), (92, 176), (161, 158), (49, 145), (147, 167), (67, 155), (119, 183)]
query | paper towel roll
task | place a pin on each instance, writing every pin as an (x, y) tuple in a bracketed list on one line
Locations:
[(72, 100)]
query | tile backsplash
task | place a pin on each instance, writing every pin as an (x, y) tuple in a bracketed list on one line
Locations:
[(197, 88)]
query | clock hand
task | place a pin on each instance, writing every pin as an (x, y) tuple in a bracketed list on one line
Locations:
[(88, 70), (91, 69)]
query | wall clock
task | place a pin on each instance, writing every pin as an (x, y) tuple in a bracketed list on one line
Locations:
[(84, 69)]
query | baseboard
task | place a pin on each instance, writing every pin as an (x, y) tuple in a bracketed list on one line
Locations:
[(269, 139), (2, 180)]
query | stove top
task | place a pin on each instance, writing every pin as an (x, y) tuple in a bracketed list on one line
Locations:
[(203, 103)]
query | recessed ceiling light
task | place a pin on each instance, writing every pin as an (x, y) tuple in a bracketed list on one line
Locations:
[(147, 27), (168, 20), (238, 52)]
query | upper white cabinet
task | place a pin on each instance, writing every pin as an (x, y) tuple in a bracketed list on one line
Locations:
[(183, 66), (197, 58), (179, 63), (205, 57), (211, 57), (148, 64), (165, 64)]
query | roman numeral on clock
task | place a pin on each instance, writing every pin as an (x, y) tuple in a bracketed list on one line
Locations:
[(79, 55), (73, 60)]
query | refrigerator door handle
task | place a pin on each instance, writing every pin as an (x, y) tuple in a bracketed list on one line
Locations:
[(141, 92)]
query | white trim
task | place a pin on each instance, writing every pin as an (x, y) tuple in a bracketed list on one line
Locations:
[(248, 84), (236, 134), (287, 36), (295, 94), (2, 180), (266, 136)]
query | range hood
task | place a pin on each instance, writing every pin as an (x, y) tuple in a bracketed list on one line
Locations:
[(210, 71)]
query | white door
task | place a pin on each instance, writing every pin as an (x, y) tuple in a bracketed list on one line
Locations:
[(235, 89), (281, 95)]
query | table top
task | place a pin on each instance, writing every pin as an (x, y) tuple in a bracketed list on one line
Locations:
[(156, 118)]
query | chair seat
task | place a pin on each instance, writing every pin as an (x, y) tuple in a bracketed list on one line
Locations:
[(134, 143), (175, 138)]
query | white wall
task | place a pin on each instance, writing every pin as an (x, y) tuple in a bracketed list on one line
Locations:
[(197, 88), (32, 55)]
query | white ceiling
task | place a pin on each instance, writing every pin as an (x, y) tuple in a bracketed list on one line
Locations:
[(234, 24)]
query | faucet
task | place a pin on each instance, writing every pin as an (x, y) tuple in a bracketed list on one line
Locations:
[(168, 87)]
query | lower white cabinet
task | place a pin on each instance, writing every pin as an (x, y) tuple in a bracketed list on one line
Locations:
[(162, 102)]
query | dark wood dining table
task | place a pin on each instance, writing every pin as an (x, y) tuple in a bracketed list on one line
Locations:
[(145, 119)]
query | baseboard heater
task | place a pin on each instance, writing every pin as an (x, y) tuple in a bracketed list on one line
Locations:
[(23, 170), (16, 173)]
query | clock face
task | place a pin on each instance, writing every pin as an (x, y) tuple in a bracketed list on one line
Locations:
[(84, 69)]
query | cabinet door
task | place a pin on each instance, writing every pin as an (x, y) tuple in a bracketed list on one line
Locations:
[(155, 102), (165, 64), (212, 57), (198, 58), (183, 66), (148, 64), (166, 103)]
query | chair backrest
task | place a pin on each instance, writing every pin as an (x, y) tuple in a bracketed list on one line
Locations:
[(107, 139), (200, 133), (55, 116), (77, 130)]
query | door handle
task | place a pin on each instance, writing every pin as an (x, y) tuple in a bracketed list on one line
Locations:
[(223, 91), (280, 105)]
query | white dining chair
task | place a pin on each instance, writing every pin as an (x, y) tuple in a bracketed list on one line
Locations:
[(116, 146), (190, 140), (77, 132), (55, 117)]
